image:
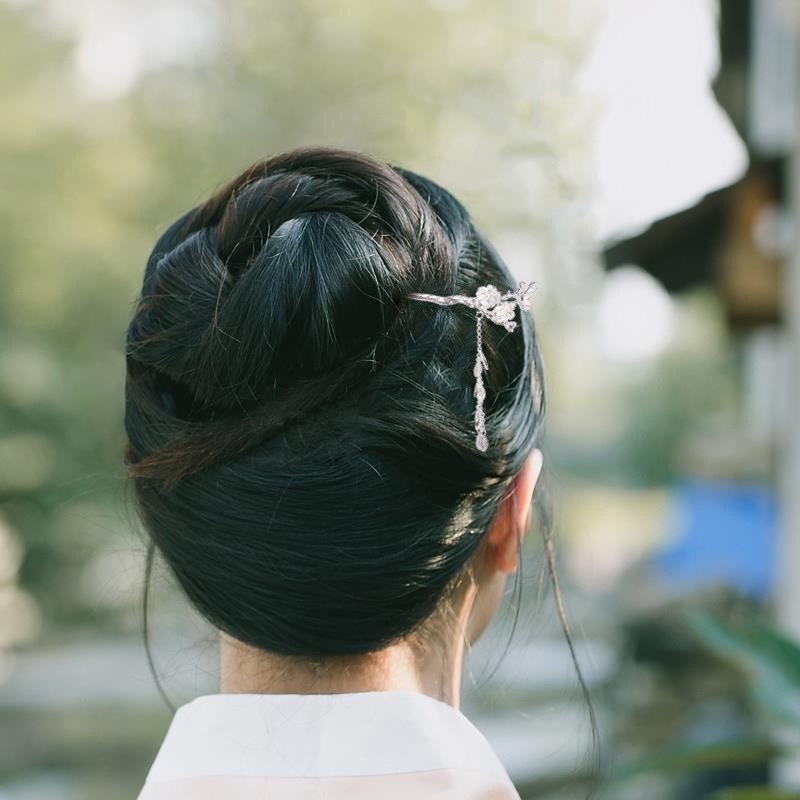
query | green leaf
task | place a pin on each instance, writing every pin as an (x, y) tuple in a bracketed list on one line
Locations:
[(770, 660), (753, 793), (689, 758)]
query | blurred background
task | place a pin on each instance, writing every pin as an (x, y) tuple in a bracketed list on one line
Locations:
[(637, 158)]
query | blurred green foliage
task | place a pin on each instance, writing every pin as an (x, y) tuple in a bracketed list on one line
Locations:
[(770, 663), (769, 659)]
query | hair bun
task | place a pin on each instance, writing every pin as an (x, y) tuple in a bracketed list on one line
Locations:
[(282, 274), (352, 528)]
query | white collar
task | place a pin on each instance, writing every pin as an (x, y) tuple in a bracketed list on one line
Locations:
[(310, 735)]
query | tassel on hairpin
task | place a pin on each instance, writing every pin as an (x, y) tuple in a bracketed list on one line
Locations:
[(500, 309)]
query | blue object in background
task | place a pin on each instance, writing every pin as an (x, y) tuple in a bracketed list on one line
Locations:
[(721, 532)]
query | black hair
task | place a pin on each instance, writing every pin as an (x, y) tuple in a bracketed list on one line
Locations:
[(301, 433)]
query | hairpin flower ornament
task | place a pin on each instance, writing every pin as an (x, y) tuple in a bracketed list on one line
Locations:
[(500, 309)]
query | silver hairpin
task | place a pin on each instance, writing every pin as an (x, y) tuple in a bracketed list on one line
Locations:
[(499, 308)]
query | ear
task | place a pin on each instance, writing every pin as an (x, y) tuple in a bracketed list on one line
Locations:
[(514, 514)]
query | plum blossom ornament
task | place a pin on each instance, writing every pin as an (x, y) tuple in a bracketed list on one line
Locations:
[(500, 309)]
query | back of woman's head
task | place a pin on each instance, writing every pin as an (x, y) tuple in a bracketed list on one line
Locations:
[(301, 434)]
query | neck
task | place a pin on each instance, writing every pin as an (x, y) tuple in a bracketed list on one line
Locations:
[(245, 669), (434, 669)]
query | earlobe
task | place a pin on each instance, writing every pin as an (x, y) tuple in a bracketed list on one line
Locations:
[(514, 519), (523, 492)]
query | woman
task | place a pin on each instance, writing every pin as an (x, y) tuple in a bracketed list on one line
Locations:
[(302, 443)]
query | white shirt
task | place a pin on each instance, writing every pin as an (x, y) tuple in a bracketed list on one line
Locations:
[(379, 745)]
